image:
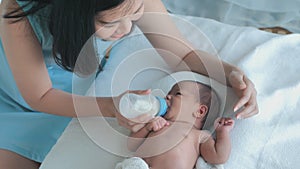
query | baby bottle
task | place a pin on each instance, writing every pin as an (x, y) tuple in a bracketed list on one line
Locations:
[(132, 105)]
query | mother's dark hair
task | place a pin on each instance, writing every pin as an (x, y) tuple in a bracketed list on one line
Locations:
[(71, 25)]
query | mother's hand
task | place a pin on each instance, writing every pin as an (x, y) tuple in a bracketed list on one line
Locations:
[(134, 124), (246, 92)]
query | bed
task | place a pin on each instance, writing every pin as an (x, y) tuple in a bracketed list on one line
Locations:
[(267, 140)]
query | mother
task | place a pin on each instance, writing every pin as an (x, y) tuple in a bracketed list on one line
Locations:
[(39, 48)]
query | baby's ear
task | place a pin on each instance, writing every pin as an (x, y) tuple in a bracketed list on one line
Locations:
[(202, 110)]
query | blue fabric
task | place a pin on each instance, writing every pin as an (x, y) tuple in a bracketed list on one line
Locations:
[(23, 130)]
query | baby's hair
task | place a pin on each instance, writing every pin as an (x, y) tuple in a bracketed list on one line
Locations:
[(208, 97)]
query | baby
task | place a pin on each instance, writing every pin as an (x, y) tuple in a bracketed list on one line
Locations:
[(176, 140)]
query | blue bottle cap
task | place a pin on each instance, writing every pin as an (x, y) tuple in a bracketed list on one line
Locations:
[(163, 106)]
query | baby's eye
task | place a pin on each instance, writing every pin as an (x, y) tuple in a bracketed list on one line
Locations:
[(177, 93)]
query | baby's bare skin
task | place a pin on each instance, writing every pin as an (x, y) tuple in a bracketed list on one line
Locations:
[(177, 145), (176, 140)]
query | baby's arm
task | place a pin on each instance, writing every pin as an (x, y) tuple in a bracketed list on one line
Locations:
[(137, 138), (218, 151)]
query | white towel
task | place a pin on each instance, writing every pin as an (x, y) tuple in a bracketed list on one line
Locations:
[(271, 139), (132, 163), (138, 163), (201, 164)]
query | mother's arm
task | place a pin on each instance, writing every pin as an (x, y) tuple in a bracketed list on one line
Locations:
[(180, 55)]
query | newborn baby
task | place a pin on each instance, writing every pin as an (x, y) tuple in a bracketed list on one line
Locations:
[(176, 140)]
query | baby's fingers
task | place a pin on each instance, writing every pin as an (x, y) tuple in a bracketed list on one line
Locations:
[(160, 123), (229, 122), (218, 122)]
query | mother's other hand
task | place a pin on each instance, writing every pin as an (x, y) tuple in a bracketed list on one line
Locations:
[(246, 92)]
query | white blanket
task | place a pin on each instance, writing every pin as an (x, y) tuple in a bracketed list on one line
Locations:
[(268, 140)]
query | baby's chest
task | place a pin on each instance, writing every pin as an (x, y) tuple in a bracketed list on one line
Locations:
[(178, 140), (183, 155)]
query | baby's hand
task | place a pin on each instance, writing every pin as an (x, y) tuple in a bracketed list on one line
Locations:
[(224, 124), (157, 123)]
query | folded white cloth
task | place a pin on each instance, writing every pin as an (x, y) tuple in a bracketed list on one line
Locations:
[(132, 163), (201, 164), (138, 163)]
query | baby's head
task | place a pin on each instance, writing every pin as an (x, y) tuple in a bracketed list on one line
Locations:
[(189, 101)]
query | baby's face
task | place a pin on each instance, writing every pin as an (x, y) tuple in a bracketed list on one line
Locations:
[(182, 100)]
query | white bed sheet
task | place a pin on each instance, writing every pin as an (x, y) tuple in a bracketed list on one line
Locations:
[(268, 140)]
